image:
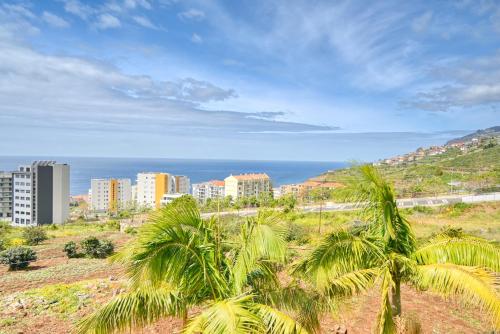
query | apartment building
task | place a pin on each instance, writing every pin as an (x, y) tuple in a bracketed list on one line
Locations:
[(208, 190), (5, 196), (40, 194), (152, 186), (110, 195), (247, 185)]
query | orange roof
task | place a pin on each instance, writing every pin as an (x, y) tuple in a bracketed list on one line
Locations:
[(246, 177), (217, 183), (322, 184)]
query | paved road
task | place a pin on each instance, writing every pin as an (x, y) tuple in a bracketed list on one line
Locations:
[(402, 203)]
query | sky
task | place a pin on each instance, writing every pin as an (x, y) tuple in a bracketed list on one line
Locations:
[(258, 80)]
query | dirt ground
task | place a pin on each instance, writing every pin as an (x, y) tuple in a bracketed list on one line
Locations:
[(104, 280)]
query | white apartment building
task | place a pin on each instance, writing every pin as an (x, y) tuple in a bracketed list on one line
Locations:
[(152, 186), (208, 190), (5, 196), (169, 198), (110, 194), (247, 185), (40, 194)]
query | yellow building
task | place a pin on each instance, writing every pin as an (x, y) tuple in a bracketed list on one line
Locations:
[(246, 185), (151, 187)]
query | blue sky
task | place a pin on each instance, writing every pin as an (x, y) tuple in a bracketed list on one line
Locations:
[(284, 80)]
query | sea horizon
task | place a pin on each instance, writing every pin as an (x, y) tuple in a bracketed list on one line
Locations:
[(83, 169)]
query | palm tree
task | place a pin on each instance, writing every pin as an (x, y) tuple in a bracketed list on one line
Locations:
[(384, 253), (181, 265)]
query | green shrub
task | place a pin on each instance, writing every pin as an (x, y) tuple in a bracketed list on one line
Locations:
[(105, 249), (17, 257), (95, 248), (113, 225), (2, 245), (130, 230), (34, 235), (71, 249), (297, 233)]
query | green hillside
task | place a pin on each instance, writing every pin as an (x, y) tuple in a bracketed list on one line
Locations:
[(453, 171)]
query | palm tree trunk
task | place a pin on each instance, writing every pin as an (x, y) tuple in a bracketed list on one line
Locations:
[(396, 298)]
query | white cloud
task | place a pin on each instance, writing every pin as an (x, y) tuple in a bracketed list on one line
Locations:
[(145, 22), (79, 9), (422, 22), (473, 83), (57, 92), (195, 38), (54, 20), (137, 3), (107, 21), (192, 14)]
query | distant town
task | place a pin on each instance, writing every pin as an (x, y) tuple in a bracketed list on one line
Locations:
[(464, 146), (38, 193)]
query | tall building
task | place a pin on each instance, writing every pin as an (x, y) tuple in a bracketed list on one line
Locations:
[(208, 190), (40, 194), (5, 196), (247, 185), (110, 194), (152, 186)]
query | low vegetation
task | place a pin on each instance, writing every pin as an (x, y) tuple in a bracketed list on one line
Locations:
[(259, 274), (17, 257)]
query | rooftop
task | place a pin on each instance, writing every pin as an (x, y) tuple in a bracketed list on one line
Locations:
[(246, 177)]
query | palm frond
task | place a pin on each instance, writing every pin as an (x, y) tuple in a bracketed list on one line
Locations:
[(277, 322), (385, 322), (462, 250), (471, 284), (261, 238), (342, 252), (380, 209), (303, 304), (228, 316), (135, 309)]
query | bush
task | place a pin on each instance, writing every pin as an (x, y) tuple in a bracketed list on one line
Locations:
[(17, 257), (113, 225), (130, 230), (71, 249), (34, 235), (105, 249), (2, 245), (95, 248)]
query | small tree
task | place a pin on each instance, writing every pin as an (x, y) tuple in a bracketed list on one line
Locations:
[(71, 249), (17, 257), (105, 249), (34, 235), (95, 248)]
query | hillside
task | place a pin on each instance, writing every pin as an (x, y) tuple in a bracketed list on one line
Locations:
[(494, 131), (477, 170)]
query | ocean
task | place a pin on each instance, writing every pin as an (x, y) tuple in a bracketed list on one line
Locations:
[(83, 169)]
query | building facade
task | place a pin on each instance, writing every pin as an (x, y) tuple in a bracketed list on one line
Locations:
[(110, 195), (5, 196), (40, 194), (152, 186), (247, 185), (208, 190)]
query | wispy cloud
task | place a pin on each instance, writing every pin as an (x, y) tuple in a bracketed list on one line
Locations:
[(137, 3), (107, 21), (422, 22), (195, 38), (192, 14), (145, 22), (79, 9), (102, 98), (54, 20), (472, 83)]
